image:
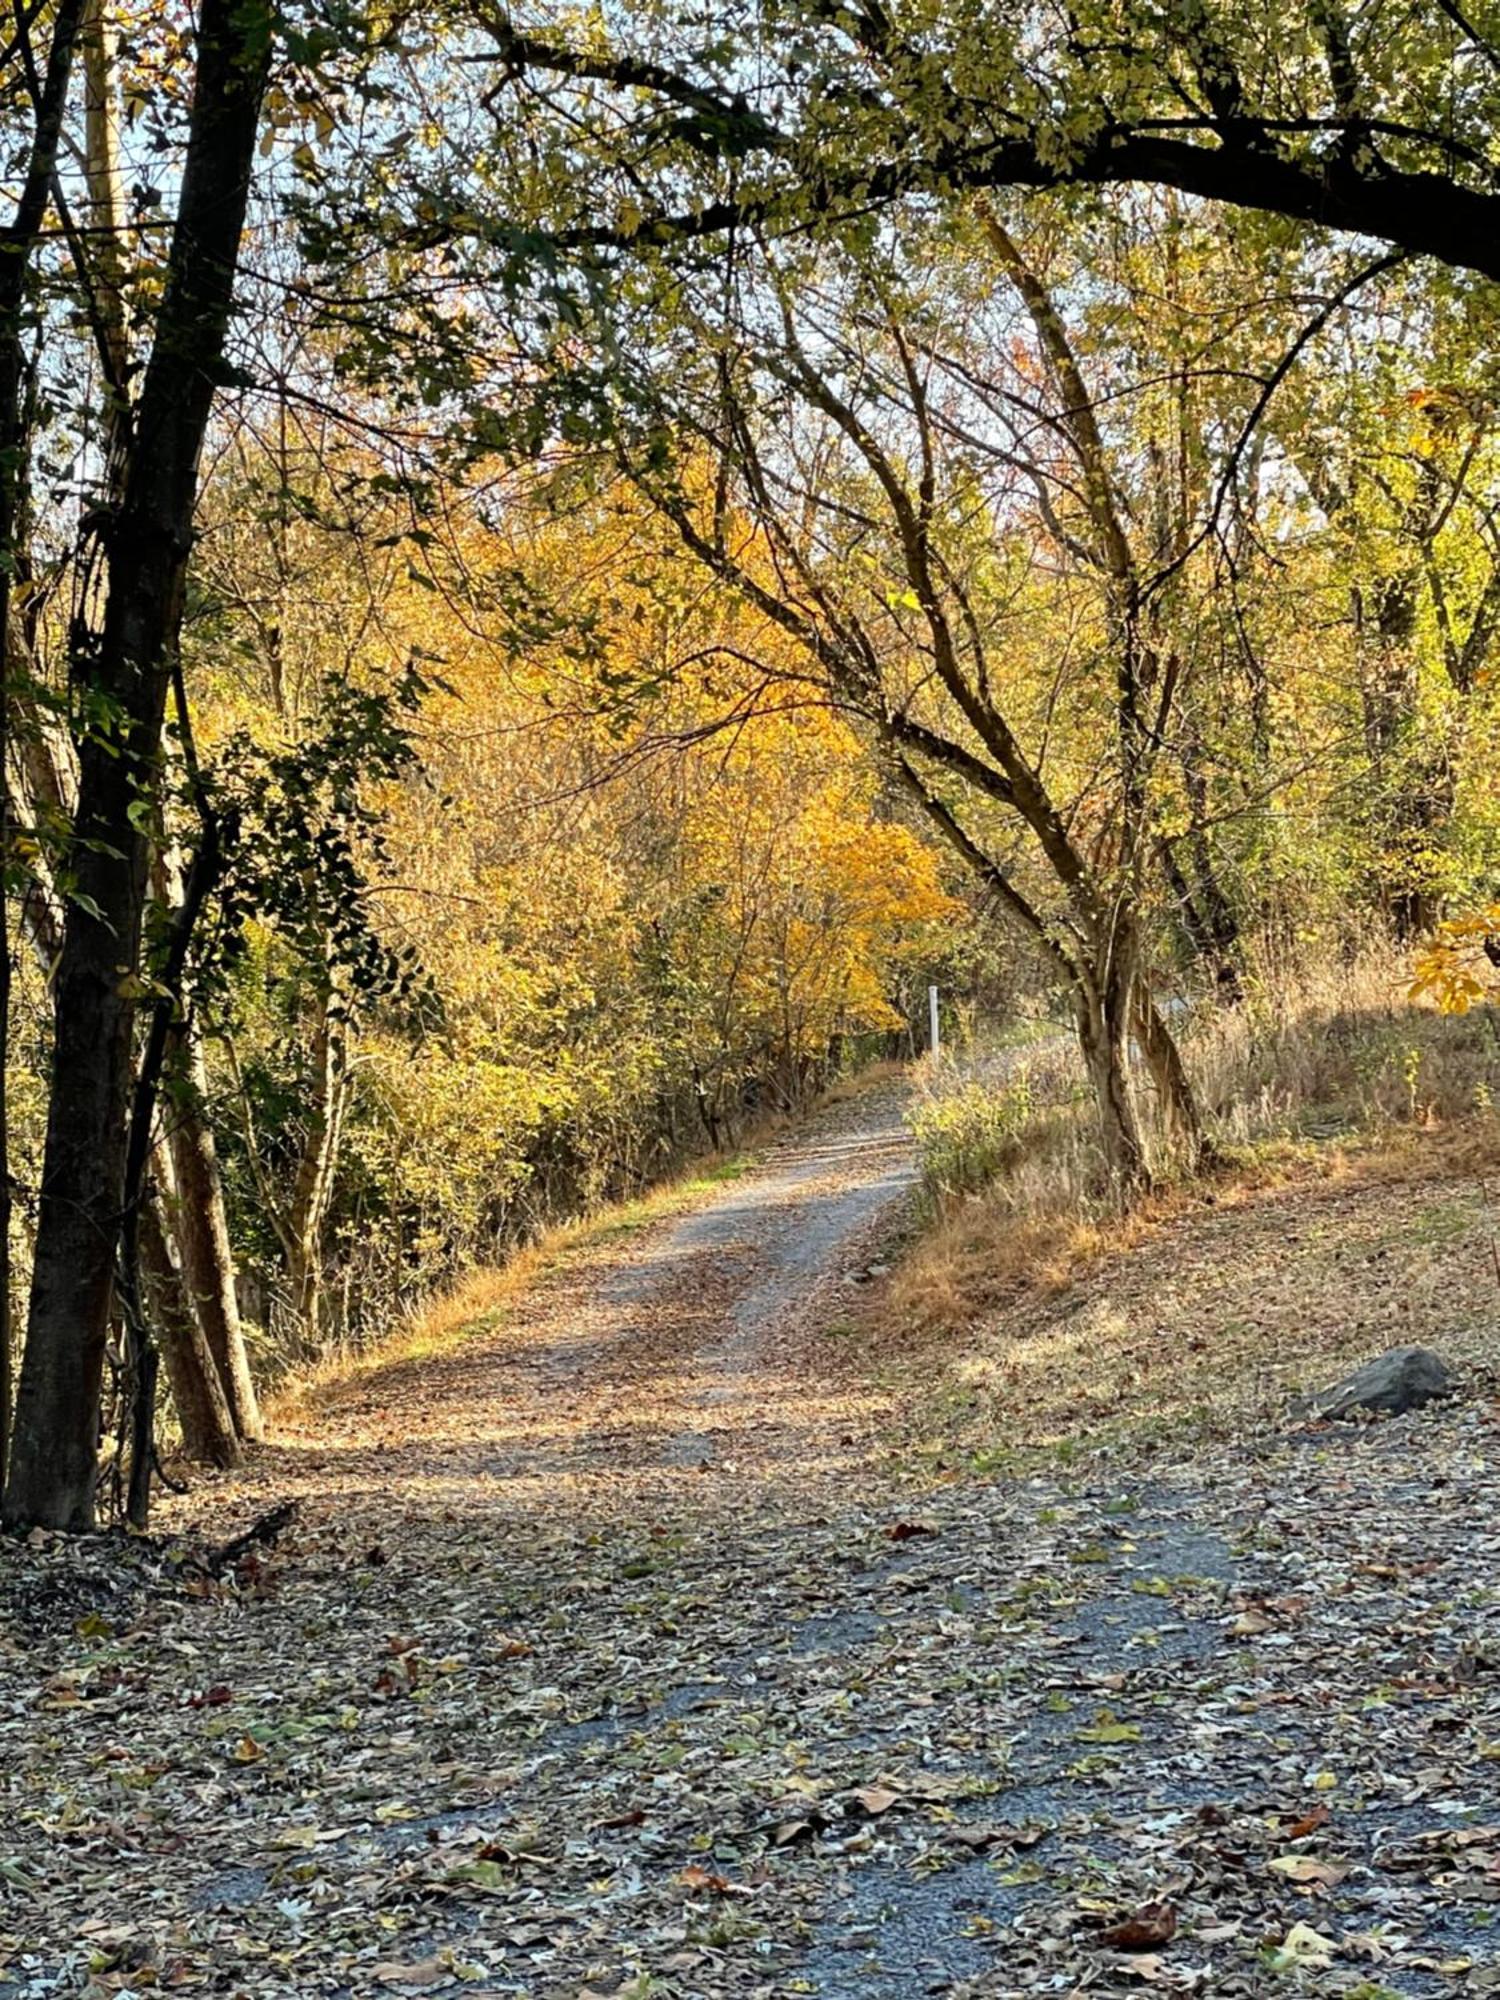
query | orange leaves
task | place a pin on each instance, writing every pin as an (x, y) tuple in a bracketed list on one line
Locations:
[(1309, 1823)]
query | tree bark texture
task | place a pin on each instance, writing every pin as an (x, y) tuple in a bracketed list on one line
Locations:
[(54, 1459)]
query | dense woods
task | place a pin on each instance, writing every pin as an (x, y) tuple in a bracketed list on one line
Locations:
[(557, 571)]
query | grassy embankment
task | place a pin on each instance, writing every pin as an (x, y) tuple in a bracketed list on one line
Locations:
[(1354, 1210)]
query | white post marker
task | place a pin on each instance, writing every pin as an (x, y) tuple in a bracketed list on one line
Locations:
[(932, 1014)]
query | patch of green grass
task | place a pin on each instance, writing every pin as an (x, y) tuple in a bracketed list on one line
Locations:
[(1442, 1222)]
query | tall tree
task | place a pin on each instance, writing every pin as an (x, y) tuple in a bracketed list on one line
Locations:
[(888, 488), (128, 667), (43, 86)]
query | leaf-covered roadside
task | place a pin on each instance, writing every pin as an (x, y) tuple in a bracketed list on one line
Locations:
[(1236, 1730)]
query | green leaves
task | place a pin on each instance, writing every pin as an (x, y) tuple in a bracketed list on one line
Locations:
[(1107, 1728), (301, 832)]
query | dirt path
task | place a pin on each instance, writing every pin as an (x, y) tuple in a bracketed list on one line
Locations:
[(605, 1661), (686, 1365)]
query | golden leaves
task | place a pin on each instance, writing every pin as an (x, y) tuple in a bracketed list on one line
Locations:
[(1449, 970)]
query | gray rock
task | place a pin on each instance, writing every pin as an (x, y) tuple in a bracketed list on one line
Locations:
[(1403, 1378)]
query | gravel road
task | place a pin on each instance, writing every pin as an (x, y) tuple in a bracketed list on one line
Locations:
[(638, 1363)]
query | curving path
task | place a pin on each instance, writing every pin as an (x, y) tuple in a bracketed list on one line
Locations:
[(608, 1660), (699, 1347)]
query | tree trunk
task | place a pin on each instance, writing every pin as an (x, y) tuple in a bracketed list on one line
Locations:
[(7, 1389), (312, 1189), (198, 1222), (304, 1269), (1174, 1090), (18, 242), (173, 1225), (105, 276), (208, 1429), (1190, 921), (1409, 800), (202, 1231), (54, 1456), (1103, 1009), (1218, 913)]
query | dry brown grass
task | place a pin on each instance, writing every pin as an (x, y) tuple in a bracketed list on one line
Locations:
[(1339, 1048), (1353, 1210), (1203, 1315), (1037, 1234), (1311, 1078)]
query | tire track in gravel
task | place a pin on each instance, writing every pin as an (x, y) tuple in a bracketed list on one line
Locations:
[(688, 1355), (632, 1368)]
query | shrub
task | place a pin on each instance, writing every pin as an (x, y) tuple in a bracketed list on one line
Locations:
[(965, 1137)]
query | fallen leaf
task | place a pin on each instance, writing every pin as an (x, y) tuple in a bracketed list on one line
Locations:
[(483, 1875), (1250, 1624), (1305, 1868), (1152, 1924), (1302, 1946), (701, 1879), (1147, 1965), (419, 1972), (1217, 1933), (876, 1799), (936, 1785), (1107, 1730)]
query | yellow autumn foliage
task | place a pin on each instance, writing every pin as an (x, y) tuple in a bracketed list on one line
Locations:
[(1456, 969), (654, 891)]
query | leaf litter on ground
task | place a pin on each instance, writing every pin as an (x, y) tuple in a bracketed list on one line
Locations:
[(598, 1722)]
